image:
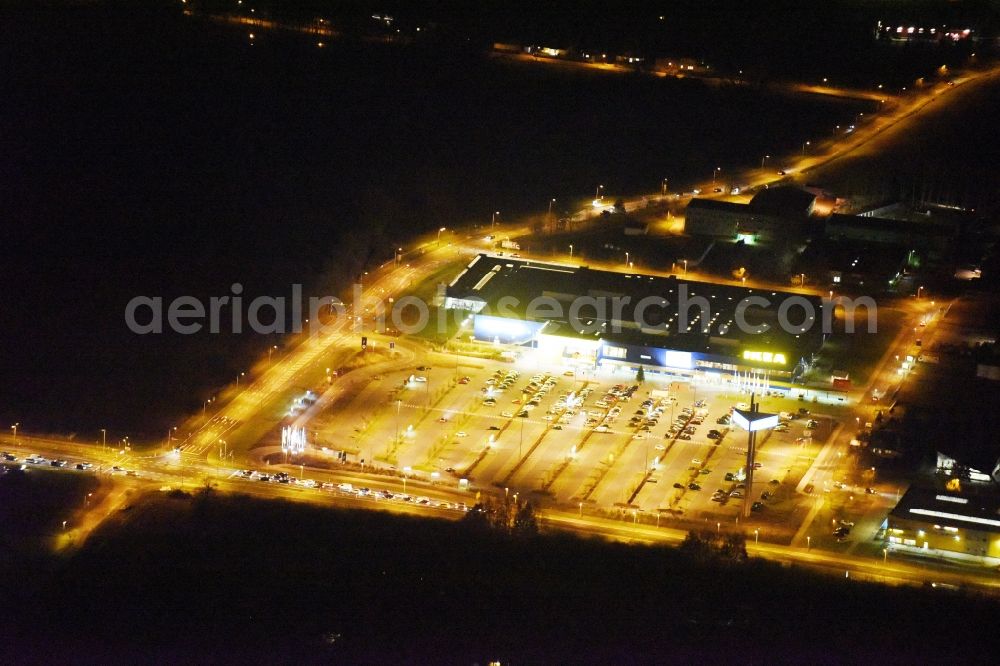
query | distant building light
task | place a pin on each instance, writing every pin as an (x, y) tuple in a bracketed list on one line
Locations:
[(950, 498), (955, 516)]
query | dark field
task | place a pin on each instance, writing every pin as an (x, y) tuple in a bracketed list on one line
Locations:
[(233, 579), (147, 153)]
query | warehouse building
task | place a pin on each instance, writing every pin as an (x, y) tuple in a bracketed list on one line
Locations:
[(593, 318), (952, 523), (773, 213), (873, 230)]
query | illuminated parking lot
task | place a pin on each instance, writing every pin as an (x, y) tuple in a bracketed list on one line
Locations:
[(594, 439)]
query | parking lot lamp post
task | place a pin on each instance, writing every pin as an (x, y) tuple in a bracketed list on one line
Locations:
[(398, 405)]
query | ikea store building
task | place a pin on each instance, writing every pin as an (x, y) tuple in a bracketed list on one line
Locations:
[(587, 318)]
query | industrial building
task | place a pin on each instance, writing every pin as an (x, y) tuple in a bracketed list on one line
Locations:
[(922, 235), (947, 523), (595, 318), (773, 213)]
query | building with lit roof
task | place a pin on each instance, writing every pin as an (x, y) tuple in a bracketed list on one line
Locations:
[(950, 522), (596, 318)]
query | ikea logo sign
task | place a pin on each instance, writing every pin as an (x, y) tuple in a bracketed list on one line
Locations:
[(764, 357)]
